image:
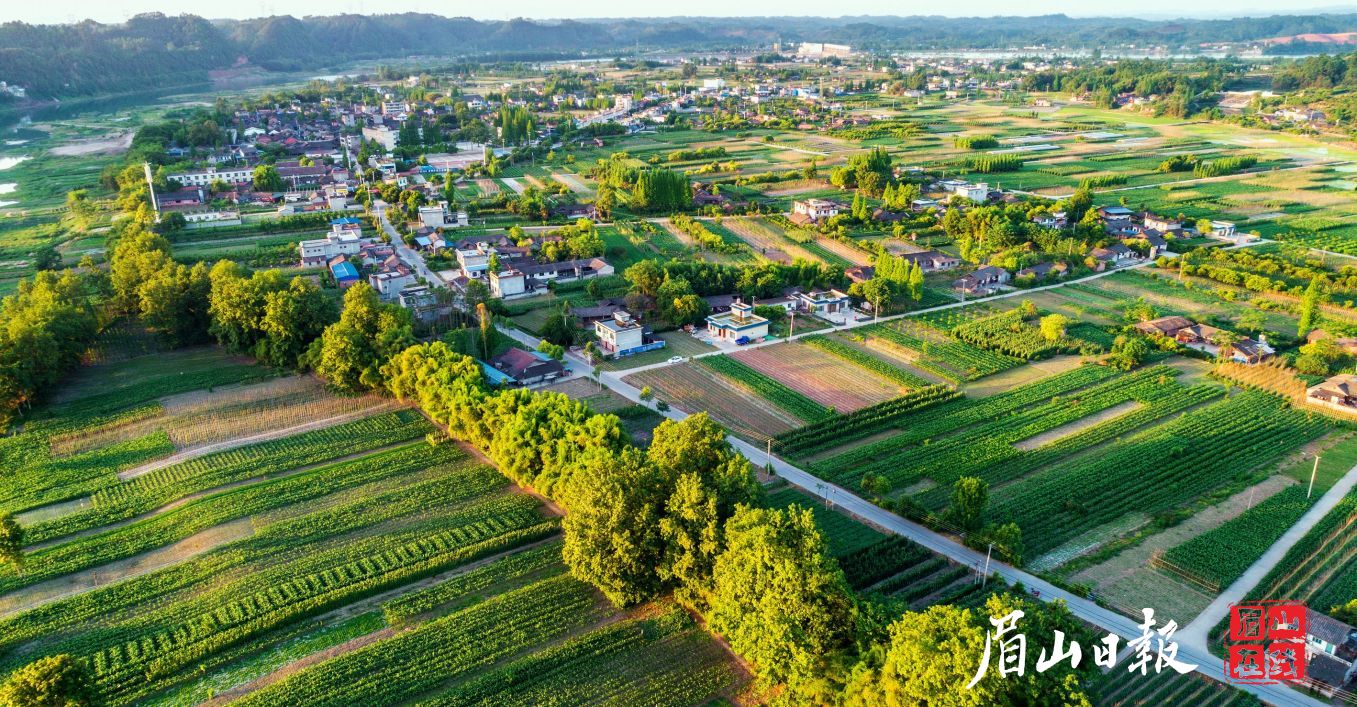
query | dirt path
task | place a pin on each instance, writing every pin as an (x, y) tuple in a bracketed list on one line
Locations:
[(83, 581), (242, 441), (1073, 428)]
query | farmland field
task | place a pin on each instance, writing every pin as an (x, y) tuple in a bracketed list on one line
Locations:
[(692, 388), (272, 566), (826, 379)]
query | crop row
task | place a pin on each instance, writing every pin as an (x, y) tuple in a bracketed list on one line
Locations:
[(163, 529), (867, 361), (1157, 470), (880, 560), (150, 491), (415, 662), (942, 419), (1009, 334), (1221, 555), (767, 388), (515, 567), (481, 530), (956, 361), (278, 553), (862, 422), (659, 661), (43, 481), (987, 449)]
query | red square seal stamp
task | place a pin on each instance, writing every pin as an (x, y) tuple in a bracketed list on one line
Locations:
[(1266, 643)]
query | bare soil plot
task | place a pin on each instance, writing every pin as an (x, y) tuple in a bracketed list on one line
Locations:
[(108, 144), (799, 186), (693, 389), (573, 182), (845, 251), (1127, 579), (765, 241), (513, 184), (821, 377), (487, 187)]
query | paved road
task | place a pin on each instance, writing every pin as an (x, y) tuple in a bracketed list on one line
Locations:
[(1217, 610), (408, 255)]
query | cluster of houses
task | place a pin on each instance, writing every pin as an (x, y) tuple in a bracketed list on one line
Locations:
[(1209, 339), (511, 270), (347, 254)]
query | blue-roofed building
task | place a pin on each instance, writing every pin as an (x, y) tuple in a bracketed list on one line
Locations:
[(495, 378), (346, 221), (345, 274)]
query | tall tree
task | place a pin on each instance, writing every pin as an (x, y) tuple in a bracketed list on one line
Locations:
[(54, 681)]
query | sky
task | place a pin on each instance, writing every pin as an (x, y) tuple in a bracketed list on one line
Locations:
[(119, 10)]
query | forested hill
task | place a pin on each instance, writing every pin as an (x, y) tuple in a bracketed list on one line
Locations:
[(153, 50)]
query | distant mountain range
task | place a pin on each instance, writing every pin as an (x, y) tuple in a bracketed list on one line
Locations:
[(153, 50)]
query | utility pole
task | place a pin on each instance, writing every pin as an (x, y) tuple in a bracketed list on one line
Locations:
[(985, 579), (1313, 471), (769, 458)]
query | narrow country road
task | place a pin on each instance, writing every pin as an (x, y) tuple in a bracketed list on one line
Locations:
[(408, 255)]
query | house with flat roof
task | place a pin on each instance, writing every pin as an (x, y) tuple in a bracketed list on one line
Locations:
[(806, 211), (737, 323), (623, 335), (823, 302)]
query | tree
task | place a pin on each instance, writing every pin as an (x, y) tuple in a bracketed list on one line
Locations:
[(1308, 303), (11, 541), (1053, 327), (1128, 352), (645, 277), (54, 681), (698, 445), (266, 178), (931, 657), (611, 526), (559, 328), (970, 495), (349, 353), (777, 595)]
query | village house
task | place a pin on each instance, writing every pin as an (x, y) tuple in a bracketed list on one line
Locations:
[(344, 272), (823, 303), (390, 281), (344, 238), (1330, 653), (505, 284), (622, 335), (1113, 256), (739, 325), (985, 281), (1338, 393), (527, 367), (807, 211), (931, 260), (1041, 271), (1204, 338)]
